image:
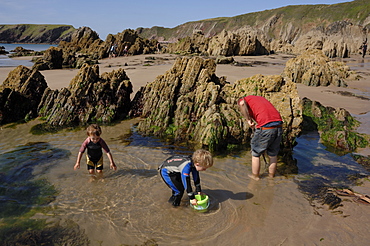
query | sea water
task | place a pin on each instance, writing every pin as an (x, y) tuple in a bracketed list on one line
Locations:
[(5, 61), (34, 47)]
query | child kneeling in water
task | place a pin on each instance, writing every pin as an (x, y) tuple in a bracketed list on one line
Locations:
[(175, 172)]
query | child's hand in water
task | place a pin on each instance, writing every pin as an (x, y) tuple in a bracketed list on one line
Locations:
[(113, 166), (77, 166)]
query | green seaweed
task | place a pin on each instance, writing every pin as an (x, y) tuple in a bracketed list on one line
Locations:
[(331, 129)]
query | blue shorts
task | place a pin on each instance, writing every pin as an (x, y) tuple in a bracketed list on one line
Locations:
[(266, 140)]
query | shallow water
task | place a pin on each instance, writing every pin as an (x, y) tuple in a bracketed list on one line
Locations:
[(5, 61), (129, 206)]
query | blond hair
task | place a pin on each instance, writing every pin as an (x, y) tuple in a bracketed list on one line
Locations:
[(93, 129), (203, 158)]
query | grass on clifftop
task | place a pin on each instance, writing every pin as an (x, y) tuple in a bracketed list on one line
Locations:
[(320, 15)]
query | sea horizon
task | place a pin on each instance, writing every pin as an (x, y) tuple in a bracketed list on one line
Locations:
[(28, 46)]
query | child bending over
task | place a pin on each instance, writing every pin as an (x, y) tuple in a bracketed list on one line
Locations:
[(175, 172)]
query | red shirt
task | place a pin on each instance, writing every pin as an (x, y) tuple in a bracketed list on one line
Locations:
[(261, 110)]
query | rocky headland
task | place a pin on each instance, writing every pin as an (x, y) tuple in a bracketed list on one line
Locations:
[(32, 33)]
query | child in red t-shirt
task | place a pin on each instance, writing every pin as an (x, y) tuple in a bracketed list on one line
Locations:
[(267, 122)]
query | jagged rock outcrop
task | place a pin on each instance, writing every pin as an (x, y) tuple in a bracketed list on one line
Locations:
[(52, 59), (313, 68), (136, 45), (20, 94), (20, 51), (89, 98), (243, 42), (240, 43), (3, 51), (31, 33), (86, 46), (81, 48), (190, 103)]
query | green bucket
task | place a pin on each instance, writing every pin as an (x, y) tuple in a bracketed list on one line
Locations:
[(202, 202)]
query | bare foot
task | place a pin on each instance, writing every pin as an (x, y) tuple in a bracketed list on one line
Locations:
[(92, 178), (252, 176)]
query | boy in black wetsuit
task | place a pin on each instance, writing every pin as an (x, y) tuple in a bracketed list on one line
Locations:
[(94, 145), (175, 172)]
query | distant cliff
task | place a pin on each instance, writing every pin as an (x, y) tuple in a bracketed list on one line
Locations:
[(286, 24), (30, 33)]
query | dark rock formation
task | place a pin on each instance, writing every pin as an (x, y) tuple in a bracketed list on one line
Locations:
[(190, 103), (29, 33), (86, 46), (136, 45), (3, 51), (20, 51), (20, 95), (82, 47), (89, 98), (52, 59), (313, 68)]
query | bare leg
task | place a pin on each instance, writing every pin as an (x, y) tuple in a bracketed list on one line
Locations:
[(273, 165), (92, 175), (255, 168), (99, 174)]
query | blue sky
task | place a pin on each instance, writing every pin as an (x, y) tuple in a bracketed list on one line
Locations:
[(113, 16)]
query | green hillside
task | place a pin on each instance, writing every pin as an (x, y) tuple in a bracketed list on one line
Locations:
[(305, 17)]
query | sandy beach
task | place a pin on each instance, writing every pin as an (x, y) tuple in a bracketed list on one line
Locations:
[(267, 212)]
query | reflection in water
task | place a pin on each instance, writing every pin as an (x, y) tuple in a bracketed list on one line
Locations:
[(320, 170), (130, 206), (20, 190)]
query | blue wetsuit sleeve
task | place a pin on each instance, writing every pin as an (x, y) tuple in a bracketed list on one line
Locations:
[(196, 179), (185, 178)]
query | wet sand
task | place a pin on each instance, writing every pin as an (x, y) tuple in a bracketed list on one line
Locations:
[(130, 207)]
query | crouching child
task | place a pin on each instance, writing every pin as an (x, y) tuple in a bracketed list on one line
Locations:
[(175, 172)]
